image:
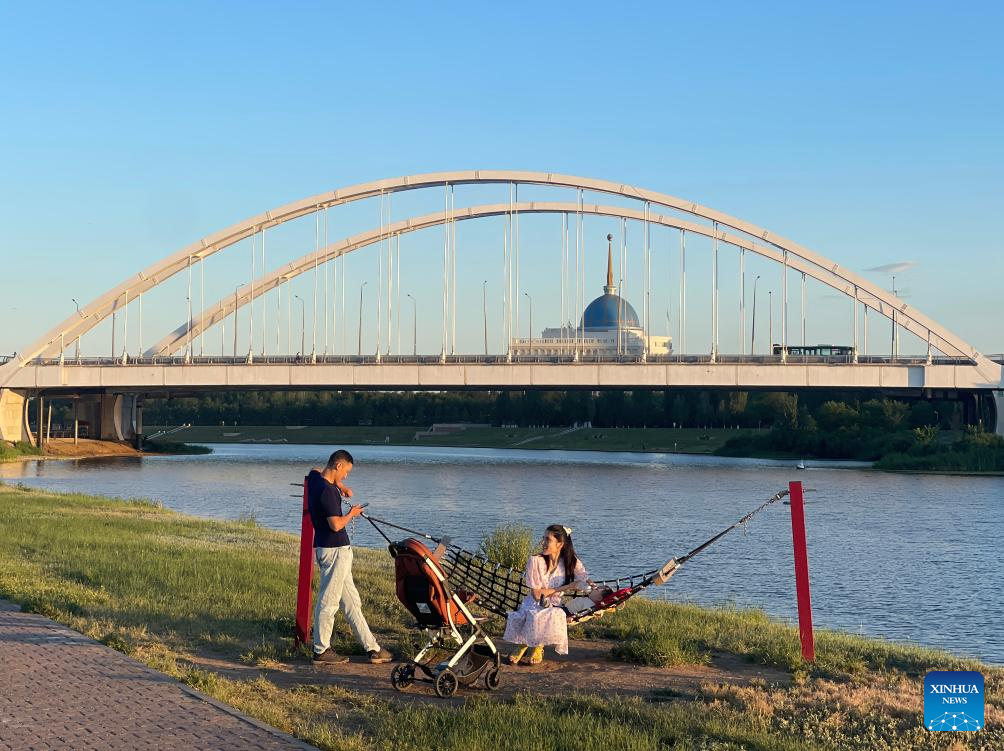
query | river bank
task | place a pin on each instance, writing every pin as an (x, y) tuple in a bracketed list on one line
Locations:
[(646, 440), (87, 448), (211, 602), (67, 448)]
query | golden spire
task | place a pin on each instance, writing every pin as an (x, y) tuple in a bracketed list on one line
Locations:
[(610, 288)]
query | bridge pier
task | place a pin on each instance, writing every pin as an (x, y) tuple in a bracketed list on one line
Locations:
[(14, 416), (119, 417), (997, 402)]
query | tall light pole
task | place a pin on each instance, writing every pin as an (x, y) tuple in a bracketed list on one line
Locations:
[(531, 321), (484, 306), (753, 333), (770, 328), (359, 348), (892, 346), (414, 326), (235, 320), (303, 324), (77, 352)]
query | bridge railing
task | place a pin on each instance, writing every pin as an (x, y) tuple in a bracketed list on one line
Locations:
[(490, 360)]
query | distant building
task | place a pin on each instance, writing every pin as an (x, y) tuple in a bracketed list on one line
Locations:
[(609, 327)]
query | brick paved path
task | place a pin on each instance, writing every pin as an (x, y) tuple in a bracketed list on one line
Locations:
[(61, 690)]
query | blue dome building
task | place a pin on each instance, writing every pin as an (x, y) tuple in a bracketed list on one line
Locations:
[(609, 328), (609, 310), (602, 314)]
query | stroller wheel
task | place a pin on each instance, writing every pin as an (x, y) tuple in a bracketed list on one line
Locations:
[(402, 676), (493, 678), (446, 684)]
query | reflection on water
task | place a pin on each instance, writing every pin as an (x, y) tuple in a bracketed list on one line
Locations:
[(907, 557)]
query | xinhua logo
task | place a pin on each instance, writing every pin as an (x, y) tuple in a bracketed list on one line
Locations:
[(953, 700)]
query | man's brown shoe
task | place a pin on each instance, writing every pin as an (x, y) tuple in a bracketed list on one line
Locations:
[(330, 657), (382, 656)]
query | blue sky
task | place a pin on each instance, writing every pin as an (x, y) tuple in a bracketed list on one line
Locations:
[(870, 133)]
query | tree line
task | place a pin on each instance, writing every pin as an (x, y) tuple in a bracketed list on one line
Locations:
[(803, 412)]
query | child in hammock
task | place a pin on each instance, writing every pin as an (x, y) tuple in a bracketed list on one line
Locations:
[(578, 605)]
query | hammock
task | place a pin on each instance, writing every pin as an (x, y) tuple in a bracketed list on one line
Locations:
[(500, 589)]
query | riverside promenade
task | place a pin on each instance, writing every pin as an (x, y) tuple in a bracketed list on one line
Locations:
[(62, 690)]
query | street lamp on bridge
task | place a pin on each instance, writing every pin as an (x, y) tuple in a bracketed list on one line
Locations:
[(770, 322), (531, 321), (303, 324), (484, 306), (359, 348), (77, 351), (414, 326)]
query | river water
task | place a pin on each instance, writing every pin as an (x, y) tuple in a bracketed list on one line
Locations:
[(906, 557)]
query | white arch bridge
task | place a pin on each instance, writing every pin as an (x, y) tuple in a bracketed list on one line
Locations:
[(110, 389)]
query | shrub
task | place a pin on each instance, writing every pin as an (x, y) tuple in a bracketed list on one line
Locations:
[(508, 544)]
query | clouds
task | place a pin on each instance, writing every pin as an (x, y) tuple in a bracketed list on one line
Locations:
[(894, 268)]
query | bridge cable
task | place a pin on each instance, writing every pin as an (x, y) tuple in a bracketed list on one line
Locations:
[(125, 330), (380, 247), (344, 327), (622, 289), (742, 301), (398, 293), (784, 307), (803, 311), (683, 291), (446, 255), (317, 250), (564, 269), (714, 292), (324, 273), (506, 328), (515, 245), (264, 316), (251, 299), (188, 345), (647, 256), (453, 294), (202, 307)]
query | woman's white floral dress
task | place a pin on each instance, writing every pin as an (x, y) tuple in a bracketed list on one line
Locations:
[(538, 626)]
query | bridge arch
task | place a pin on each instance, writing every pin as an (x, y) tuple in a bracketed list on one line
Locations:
[(876, 297), (176, 340)]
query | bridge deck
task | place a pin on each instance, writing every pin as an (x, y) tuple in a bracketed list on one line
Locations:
[(480, 372)]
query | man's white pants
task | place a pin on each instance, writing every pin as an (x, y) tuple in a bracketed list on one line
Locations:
[(338, 590)]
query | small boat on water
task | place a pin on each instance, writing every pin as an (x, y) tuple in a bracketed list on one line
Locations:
[(801, 464)]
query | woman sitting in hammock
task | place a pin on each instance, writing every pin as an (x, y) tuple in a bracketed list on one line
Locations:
[(554, 571)]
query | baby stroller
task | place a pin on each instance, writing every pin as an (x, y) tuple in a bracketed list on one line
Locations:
[(456, 650)]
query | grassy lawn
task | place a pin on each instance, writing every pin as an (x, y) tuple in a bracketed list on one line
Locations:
[(164, 588), (10, 452), (682, 440)]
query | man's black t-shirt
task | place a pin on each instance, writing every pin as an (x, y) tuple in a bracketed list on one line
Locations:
[(324, 500)]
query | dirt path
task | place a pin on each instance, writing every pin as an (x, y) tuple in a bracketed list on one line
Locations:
[(85, 448), (587, 668)]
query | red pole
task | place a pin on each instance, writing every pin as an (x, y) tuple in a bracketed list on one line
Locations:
[(801, 572), (303, 591)]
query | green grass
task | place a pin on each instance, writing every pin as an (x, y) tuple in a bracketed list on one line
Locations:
[(164, 587), (13, 451), (663, 440), (171, 447)]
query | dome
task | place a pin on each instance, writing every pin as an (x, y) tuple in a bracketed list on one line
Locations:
[(602, 314)]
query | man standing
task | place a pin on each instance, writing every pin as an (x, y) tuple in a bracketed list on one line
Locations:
[(334, 559)]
